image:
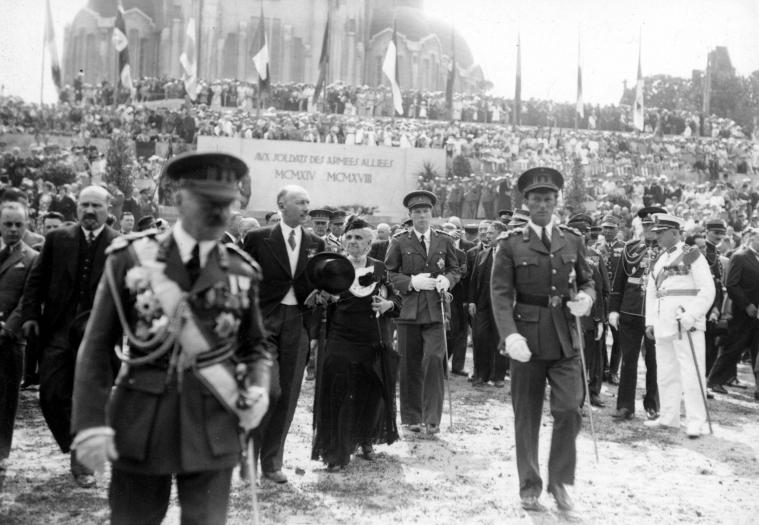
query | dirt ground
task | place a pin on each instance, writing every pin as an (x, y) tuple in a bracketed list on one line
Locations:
[(467, 475)]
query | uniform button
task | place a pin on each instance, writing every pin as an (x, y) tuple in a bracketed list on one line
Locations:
[(524, 263), (550, 255), (553, 288), (553, 271)]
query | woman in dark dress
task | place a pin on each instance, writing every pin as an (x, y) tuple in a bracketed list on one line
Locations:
[(354, 406)]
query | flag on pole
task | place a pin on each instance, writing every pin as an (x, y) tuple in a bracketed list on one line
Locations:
[(580, 105), (52, 49), (451, 75), (189, 61), (518, 86), (390, 68), (261, 55), (323, 63), (121, 43), (638, 116)]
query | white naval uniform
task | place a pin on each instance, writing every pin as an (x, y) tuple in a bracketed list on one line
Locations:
[(692, 289)]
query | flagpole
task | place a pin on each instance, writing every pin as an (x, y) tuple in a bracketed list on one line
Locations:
[(579, 79), (198, 46), (44, 46)]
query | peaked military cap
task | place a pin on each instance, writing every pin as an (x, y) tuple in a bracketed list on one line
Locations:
[(320, 215), (580, 218), (418, 198), (716, 225), (664, 221), (213, 175), (505, 214), (609, 221), (540, 178), (646, 214), (519, 218), (338, 215)]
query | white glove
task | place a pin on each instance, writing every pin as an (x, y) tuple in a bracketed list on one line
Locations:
[(423, 281), (516, 348), (250, 418), (442, 284), (687, 321), (581, 305), (94, 447), (614, 320)]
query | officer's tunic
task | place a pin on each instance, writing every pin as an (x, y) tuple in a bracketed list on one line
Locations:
[(530, 286), (680, 279), (420, 322)]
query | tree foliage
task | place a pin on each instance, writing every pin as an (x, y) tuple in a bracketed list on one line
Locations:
[(461, 167), (575, 193), (58, 173), (120, 160)]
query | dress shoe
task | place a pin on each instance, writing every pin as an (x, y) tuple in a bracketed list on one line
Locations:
[(499, 384), (651, 413), (459, 373), (560, 494), (622, 414), (86, 481), (613, 379), (3, 464), (718, 388), (596, 401), (277, 476), (433, 429), (416, 427), (532, 504), (709, 394), (367, 452), (736, 383), (478, 382), (334, 467)]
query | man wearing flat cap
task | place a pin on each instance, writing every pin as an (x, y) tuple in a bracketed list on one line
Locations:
[(536, 270), (188, 306), (679, 294), (627, 315), (422, 265), (611, 249)]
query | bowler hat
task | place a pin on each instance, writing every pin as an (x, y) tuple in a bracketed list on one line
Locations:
[(330, 272)]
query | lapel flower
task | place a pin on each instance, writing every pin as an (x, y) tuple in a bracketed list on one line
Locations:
[(147, 305), (226, 324), (311, 252), (137, 279)]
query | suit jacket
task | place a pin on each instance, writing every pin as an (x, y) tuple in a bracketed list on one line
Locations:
[(406, 257), (523, 265), (50, 296), (379, 249), (743, 281), (479, 280), (13, 274), (268, 249), (159, 430)]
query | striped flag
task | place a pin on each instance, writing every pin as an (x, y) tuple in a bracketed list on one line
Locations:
[(518, 86), (638, 115), (323, 63), (52, 49), (261, 55), (189, 62), (390, 68), (451, 75), (580, 105), (121, 43)]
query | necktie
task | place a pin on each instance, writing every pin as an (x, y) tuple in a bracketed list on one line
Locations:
[(545, 239), (291, 239), (90, 237), (193, 265), (424, 244)]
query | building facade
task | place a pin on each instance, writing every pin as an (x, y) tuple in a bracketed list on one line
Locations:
[(359, 35)]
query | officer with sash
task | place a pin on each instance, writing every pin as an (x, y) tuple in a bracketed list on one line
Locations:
[(536, 271), (188, 306), (679, 295), (626, 313)]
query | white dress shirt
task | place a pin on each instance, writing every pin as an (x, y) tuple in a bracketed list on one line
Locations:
[(186, 244), (95, 232), (539, 229), (292, 256), (426, 236)]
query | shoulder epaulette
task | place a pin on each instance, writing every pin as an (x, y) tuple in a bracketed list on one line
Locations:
[(398, 234), (443, 232), (570, 229), (507, 234), (123, 241)]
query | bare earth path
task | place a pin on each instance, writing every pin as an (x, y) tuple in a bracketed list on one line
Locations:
[(468, 475)]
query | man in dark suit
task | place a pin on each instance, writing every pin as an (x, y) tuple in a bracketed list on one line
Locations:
[(282, 251), (422, 265), (489, 363), (531, 294), (188, 307), (742, 285), (16, 260), (458, 330), (716, 229), (56, 305)]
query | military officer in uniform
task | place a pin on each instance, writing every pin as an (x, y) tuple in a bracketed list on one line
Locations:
[(611, 249), (320, 221), (531, 295), (679, 295), (188, 305), (334, 240), (716, 229), (422, 265), (626, 313), (593, 324)]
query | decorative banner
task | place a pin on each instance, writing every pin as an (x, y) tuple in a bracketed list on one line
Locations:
[(333, 174)]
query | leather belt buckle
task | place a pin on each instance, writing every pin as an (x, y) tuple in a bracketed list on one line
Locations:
[(554, 301)]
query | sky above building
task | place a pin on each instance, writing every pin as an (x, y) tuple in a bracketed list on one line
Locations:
[(675, 34)]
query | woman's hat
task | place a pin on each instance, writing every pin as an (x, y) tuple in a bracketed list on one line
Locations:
[(330, 272)]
